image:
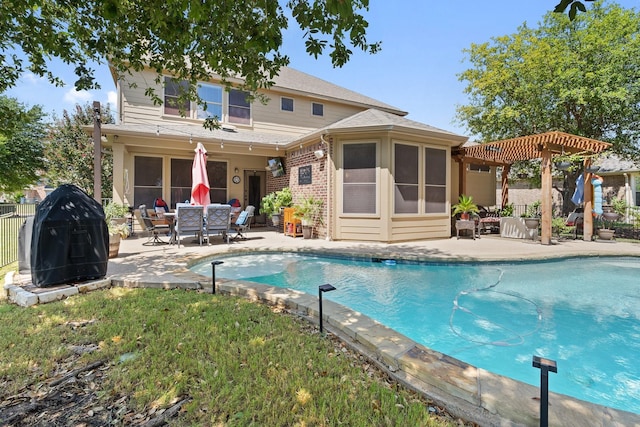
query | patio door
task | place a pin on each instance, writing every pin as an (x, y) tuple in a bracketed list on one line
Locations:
[(254, 191)]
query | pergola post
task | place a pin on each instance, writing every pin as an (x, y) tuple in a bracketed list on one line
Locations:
[(505, 186), (587, 226), (545, 166)]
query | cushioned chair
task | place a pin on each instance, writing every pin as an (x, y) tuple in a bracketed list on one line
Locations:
[(218, 221), (189, 222), (153, 227), (243, 223)]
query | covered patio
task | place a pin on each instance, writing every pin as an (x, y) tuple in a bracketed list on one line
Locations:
[(543, 146)]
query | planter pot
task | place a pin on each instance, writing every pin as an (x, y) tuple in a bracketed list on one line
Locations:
[(610, 216), (307, 232), (532, 222), (464, 216), (606, 233), (114, 245), (275, 220)]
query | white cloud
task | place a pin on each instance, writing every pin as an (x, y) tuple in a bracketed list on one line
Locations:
[(74, 96)]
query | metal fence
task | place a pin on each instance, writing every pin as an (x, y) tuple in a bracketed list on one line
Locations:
[(12, 216)]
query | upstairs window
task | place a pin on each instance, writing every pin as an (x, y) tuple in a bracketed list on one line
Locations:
[(239, 107), (173, 89), (211, 95), (317, 109), (286, 104)]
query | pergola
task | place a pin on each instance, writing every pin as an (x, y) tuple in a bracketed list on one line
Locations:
[(541, 146)]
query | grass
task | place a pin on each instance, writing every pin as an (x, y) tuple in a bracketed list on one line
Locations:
[(238, 362)]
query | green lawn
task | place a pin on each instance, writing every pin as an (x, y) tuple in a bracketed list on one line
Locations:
[(237, 363)]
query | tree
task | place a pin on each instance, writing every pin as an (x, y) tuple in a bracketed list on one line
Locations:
[(580, 76), (69, 151), (21, 148), (191, 39)]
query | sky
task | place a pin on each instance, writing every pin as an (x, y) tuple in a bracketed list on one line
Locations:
[(416, 71)]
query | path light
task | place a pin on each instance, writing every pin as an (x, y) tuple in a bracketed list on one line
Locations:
[(546, 366), (321, 290), (213, 275)]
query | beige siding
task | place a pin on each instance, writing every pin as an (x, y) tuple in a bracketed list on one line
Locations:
[(482, 187), (420, 228), (139, 108)]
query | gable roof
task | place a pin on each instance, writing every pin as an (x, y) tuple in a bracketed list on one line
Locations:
[(292, 79), (612, 164), (376, 120)]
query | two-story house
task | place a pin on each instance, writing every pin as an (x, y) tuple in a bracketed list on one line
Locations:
[(383, 177)]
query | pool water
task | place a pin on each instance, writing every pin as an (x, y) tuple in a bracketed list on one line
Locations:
[(582, 312)]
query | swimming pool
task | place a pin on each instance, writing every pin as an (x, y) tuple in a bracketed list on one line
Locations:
[(582, 312)]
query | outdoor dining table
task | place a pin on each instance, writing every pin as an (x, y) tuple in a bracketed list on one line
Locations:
[(171, 220)]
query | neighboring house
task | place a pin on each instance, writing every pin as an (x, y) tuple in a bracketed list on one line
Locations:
[(382, 177), (621, 179)]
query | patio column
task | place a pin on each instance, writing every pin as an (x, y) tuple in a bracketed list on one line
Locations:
[(505, 186), (587, 233), (462, 178), (545, 167)]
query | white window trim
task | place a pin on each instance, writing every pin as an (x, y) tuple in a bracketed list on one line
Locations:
[(293, 104), (340, 180)]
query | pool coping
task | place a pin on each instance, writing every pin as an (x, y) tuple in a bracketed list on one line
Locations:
[(471, 393)]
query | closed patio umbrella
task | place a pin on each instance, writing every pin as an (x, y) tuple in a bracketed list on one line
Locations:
[(200, 181)]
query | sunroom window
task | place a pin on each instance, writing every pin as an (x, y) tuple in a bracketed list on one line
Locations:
[(435, 180), (359, 180), (406, 178)]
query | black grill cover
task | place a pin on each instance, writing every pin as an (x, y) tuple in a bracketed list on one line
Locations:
[(70, 240)]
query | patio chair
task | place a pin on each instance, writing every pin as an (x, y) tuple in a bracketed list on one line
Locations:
[(189, 222), (218, 221), (243, 223), (575, 220), (153, 227)]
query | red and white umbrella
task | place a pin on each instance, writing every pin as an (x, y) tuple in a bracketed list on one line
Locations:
[(200, 181)]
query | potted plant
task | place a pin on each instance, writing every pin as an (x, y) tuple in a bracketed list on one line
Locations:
[(532, 215), (272, 204), (464, 207), (308, 211), (607, 231), (507, 210), (116, 223)]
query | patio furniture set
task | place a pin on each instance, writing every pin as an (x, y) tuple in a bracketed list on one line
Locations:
[(202, 222)]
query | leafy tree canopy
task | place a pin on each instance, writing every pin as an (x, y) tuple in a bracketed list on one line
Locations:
[(69, 151), (21, 144), (190, 39), (580, 76)]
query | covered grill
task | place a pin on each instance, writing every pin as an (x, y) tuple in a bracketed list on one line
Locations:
[(70, 240)]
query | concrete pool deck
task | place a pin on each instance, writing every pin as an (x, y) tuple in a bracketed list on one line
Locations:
[(469, 392)]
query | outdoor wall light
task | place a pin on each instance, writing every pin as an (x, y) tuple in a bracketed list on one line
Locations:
[(236, 170), (321, 290), (319, 153), (213, 275), (545, 366)]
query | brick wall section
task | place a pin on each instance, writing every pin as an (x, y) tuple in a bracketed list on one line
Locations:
[(319, 186)]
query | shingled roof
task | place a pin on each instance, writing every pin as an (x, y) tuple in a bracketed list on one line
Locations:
[(292, 79)]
